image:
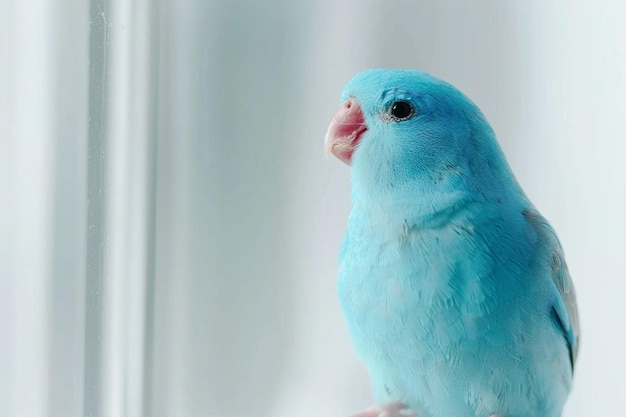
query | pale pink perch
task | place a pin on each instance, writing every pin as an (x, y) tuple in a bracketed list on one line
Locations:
[(395, 409), (373, 413)]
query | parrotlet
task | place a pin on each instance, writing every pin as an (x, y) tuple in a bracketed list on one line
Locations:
[(453, 286)]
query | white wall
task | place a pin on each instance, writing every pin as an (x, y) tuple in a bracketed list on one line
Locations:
[(578, 178), (202, 283)]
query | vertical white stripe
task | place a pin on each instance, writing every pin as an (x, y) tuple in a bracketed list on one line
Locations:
[(128, 219), (115, 293)]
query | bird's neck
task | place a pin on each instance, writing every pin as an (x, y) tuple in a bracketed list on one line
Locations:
[(391, 215)]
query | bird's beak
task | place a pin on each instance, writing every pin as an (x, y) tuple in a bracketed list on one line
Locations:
[(345, 131)]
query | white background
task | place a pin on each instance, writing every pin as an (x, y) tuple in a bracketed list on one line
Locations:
[(193, 275)]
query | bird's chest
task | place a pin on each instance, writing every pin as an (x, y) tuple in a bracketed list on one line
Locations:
[(421, 291)]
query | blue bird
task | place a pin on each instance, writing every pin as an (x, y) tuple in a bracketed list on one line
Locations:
[(454, 288)]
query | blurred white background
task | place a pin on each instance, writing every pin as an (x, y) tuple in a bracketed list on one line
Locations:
[(169, 225)]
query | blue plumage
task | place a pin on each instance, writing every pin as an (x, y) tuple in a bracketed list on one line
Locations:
[(454, 288)]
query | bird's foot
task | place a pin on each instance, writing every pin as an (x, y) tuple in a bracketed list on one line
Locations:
[(394, 409)]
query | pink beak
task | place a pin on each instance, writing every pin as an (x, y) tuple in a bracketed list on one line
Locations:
[(345, 131)]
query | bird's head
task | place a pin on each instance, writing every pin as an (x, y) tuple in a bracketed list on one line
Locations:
[(407, 134)]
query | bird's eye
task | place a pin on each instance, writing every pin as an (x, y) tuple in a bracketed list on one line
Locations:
[(401, 110)]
